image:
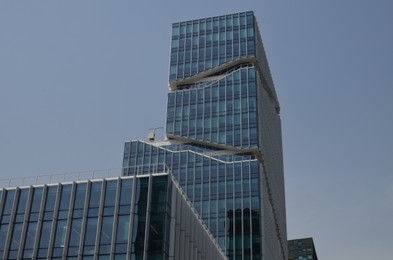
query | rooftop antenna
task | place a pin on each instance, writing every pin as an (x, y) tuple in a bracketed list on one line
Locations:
[(152, 133)]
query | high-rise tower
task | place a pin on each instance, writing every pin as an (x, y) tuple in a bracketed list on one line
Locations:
[(223, 135)]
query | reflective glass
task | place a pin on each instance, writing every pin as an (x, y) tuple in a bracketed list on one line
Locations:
[(110, 193), (30, 235), (50, 198), (95, 194), (3, 235), (123, 227), (90, 236), (22, 200), (60, 234), (8, 202), (106, 230), (15, 239), (65, 197), (79, 202), (44, 238)]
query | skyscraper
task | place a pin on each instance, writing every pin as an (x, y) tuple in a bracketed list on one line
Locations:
[(223, 135), (221, 162)]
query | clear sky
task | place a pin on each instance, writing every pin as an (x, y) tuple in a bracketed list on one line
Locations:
[(78, 78)]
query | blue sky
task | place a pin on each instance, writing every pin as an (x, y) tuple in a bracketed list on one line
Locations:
[(78, 78)]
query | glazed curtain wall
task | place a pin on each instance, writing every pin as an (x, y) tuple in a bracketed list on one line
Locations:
[(203, 44), (223, 112), (224, 191), (104, 218)]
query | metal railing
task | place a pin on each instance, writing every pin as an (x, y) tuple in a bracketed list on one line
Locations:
[(84, 175)]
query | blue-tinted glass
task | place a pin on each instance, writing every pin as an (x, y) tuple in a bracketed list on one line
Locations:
[(44, 238), (91, 231), (75, 235), (22, 200), (3, 235), (175, 29), (65, 197), (138, 236), (235, 20), (106, 231), (123, 227), (79, 202), (51, 198), (60, 233), (242, 19), (250, 19), (15, 239), (30, 235), (110, 193), (95, 194), (9, 199), (126, 192)]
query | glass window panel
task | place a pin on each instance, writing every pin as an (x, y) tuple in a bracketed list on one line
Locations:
[(80, 196), (246, 202), (235, 20), (205, 207), (238, 185), (8, 202), (15, 240), (246, 187), (242, 20), (120, 257), (61, 231), (123, 227), (182, 28), (30, 235), (45, 235), (3, 235), (65, 197), (110, 193), (250, 32), (91, 231), (195, 27), (22, 200), (175, 30), (106, 230), (209, 25), (51, 198), (95, 194), (63, 214), (254, 185), (156, 232), (75, 236), (250, 19), (175, 43), (250, 47), (255, 203), (229, 204), (229, 187), (126, 189)]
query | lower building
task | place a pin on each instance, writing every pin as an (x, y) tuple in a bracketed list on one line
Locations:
[(302, 249), (135, 217)]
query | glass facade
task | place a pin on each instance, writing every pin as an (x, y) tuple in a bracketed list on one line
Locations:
[(224, 135), (302, 249), (224, 189), (204, 44), (118, 218), (220, 112), (220, 166)]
